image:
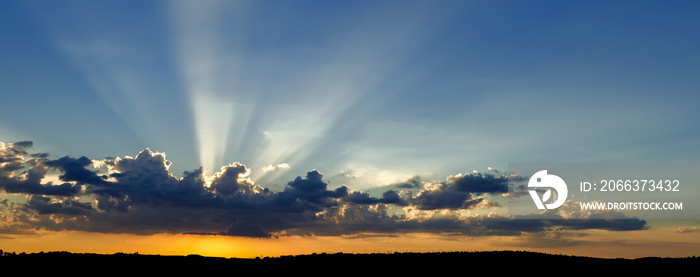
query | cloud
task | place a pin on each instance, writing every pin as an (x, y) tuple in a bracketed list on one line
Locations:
[(275, 167), (21, 172), (460, 192), (684, 229), (46, 205), (621, 224), (411, 183), (442, 196), (231, 179), (247, 229), (22, 145), (74, 170), (479, 183), (388, 197), (313, 189), (140, 195)]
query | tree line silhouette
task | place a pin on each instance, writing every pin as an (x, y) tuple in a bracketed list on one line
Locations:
[(397, 262)]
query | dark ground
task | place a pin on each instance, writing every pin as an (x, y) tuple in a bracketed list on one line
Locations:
[(434, 264)]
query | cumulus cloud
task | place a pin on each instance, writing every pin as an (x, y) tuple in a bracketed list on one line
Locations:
[(21, 172), (388, 197), (443, 196), (46, 205), (231, 179), (313, 189), (479, 183), (74, 170), (140, 195), (461, 191)]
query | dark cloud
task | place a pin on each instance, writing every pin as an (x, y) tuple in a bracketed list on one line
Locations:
[(462, 192), (618, 224), (189, 191), (29, 183), (353, 219), (74, 170), (388, 197), (392, 197), (140, 180), (443, 196), (140, 195), (23, 173), (22, 145), (247, 229), (479, 183), (13, 152), (313, 189), (231, 179), (46, 205), (412, 183)]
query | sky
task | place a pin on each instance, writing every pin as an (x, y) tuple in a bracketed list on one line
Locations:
[(255, 128)]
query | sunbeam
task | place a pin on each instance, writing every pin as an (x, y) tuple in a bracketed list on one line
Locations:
[(293, 108), (305, 126), (208, 73)]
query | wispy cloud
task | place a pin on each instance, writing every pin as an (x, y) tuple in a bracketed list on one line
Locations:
[(685, 229), (275, 167)]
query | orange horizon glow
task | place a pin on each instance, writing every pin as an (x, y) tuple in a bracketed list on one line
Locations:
[(656, 242)]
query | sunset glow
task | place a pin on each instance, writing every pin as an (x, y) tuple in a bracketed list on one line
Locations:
[(262, 129)]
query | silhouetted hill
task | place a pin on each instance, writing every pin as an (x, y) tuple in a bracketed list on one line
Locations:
[(466, 263)]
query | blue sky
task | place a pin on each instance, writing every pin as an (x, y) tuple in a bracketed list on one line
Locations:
[(435, 88), (369, 93)]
